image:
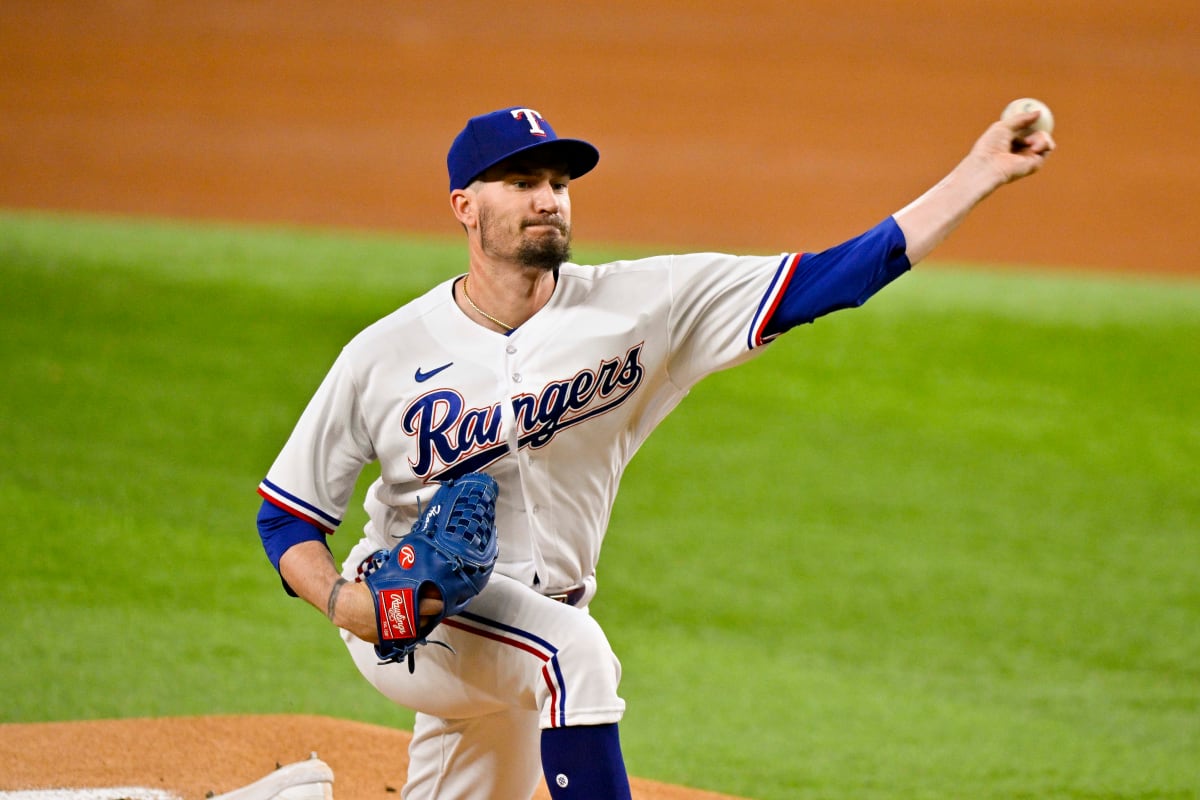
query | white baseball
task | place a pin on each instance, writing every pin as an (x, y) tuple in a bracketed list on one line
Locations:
[(1027, 104)]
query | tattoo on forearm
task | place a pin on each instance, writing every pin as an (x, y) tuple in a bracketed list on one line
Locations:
[(333, 596)]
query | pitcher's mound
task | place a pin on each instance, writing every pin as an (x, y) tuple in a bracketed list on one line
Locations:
[(192, 758)]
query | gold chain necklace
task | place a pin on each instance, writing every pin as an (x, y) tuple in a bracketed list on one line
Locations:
[(507, 328)]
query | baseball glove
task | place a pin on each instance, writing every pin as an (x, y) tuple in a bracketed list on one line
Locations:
[(452, 547)]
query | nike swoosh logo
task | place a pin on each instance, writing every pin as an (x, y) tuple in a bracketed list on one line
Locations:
[(421, 377)]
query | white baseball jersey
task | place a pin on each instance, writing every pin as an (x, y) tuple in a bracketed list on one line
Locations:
[(554, 411)]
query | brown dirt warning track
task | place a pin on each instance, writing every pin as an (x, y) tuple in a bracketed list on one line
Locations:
[(750, 126), (757, 126)]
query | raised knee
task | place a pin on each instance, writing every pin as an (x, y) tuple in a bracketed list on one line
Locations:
[(588, 644), (581, 678)]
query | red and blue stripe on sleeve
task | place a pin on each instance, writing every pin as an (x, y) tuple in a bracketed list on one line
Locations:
[(810, 285)]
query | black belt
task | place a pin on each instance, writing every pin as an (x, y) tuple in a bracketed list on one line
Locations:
[(571, 596)]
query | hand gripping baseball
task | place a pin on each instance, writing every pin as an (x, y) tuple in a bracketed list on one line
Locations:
[(1013, 148), (451, 548)]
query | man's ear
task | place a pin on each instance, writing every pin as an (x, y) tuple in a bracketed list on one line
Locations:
[(462, 203)]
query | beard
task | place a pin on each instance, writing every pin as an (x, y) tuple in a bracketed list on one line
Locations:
[(542, 252)]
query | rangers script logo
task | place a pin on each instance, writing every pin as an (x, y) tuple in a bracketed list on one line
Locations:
[(452, 440)]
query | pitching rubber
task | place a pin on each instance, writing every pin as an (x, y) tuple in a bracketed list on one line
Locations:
[(108, 793)]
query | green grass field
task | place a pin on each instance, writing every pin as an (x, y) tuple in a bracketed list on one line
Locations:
[(944, 546)]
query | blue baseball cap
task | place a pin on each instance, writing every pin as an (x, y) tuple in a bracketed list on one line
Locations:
[(490, 138)]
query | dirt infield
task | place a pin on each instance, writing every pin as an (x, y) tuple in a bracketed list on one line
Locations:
[(754, 125), (193, 758)]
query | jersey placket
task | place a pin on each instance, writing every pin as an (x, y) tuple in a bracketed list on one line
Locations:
[(517, 384)]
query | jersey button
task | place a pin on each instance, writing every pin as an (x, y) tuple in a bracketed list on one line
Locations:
[(512, 348), (516, 377)]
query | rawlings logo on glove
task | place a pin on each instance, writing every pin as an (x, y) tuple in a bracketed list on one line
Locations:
[(396, 614), (452, 548)]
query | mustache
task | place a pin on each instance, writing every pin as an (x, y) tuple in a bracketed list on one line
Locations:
[(553, 220)]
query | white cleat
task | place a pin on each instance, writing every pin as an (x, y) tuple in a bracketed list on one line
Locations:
[(304, 780)]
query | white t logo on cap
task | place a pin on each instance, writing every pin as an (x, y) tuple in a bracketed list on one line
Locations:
[(530, 116)]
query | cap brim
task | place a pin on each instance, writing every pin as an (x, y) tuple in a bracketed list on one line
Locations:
[(579, 156)]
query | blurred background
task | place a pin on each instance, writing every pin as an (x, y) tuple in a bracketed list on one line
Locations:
[(974, 502), (758, 125)]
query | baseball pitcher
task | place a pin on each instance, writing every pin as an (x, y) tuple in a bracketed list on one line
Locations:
[(503, 406)]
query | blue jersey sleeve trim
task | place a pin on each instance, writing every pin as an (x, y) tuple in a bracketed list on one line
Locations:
[(845, 276), (280, 531), (294, 505), (770, 301)]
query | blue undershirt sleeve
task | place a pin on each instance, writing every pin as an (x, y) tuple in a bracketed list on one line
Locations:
[(280, 531), (844, 276)]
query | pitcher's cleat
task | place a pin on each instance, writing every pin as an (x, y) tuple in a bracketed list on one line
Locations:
[(304, 780)]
